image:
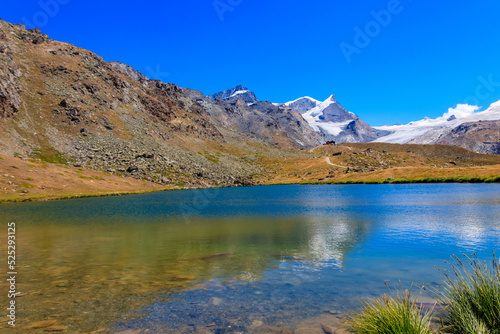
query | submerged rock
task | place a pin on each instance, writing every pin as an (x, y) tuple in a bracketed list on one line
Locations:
[(214, 301), (256, 324)]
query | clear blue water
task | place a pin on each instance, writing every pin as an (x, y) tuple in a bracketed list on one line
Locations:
[(277, 253)]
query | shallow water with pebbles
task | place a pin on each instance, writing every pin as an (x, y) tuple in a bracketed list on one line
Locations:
[(261, 259)]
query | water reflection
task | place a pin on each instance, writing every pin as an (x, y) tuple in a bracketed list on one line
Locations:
[(269, 253)]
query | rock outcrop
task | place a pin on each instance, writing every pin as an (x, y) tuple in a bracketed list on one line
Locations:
[(128, 70), (481, 137), (10, 87)]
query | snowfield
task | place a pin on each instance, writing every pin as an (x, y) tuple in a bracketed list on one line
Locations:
[(313, 115), (428, 130)]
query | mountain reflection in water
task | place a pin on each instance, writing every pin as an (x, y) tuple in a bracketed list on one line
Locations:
[(271, 254)]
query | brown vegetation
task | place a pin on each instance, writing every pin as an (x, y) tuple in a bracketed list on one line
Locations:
[(22, 180), (383, 163)]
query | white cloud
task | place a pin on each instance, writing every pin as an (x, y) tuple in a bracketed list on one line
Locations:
[(462, 110)]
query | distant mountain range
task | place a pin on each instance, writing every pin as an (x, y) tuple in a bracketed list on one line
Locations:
[(462, 126), (64, 104), (239, 109)]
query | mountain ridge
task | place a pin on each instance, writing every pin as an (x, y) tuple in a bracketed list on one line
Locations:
[(447, 129), (332, 120), (234, 93), (66, 106)]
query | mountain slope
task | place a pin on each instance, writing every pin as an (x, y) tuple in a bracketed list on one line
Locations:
[(128, 70), (451, 129), (64, 104), (303, 104), (276, 125), (334, 121), (482, 137)]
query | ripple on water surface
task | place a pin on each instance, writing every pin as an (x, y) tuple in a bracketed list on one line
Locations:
[(242, 259)]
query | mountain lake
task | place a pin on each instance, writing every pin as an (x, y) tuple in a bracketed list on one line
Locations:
[(237, 260)]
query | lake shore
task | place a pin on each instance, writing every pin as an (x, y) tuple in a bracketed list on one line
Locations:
[(29, 180), (289, 259)]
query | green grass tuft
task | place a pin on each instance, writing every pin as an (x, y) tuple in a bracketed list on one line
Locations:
[(389, 315), (52, 156), (472, 294)]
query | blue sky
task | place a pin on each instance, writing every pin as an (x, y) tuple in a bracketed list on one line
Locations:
[(405, 60)]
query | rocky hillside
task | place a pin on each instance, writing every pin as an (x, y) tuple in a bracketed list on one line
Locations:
[(128, 70), (482, 137), (276, 125), (64, 104), (60, 103)]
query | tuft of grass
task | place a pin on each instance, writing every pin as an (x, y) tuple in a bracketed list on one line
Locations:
[(472, 294), (52, 156), (391, 315)]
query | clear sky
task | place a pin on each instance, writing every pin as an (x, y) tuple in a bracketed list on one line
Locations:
[(388, 61)]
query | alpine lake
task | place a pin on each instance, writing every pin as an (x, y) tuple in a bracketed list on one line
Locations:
[(238, 260)]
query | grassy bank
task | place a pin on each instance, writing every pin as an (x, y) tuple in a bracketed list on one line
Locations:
[(470, 295), (34, 180), (450, 179)]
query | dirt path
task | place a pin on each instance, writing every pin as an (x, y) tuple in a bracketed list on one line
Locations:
[(330, 163)]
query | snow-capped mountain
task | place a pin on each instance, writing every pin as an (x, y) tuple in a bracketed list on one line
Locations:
[(429, 131), (303, 104), (238, 109), (463, 126), (333, 120), (235, 93)]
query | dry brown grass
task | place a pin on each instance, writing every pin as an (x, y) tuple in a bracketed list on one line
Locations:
[(378, 163), (52, 181), (22, 180)]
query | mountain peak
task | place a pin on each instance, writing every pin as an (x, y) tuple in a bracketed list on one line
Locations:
[(240, 87), (331, 98), (235, 93)]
